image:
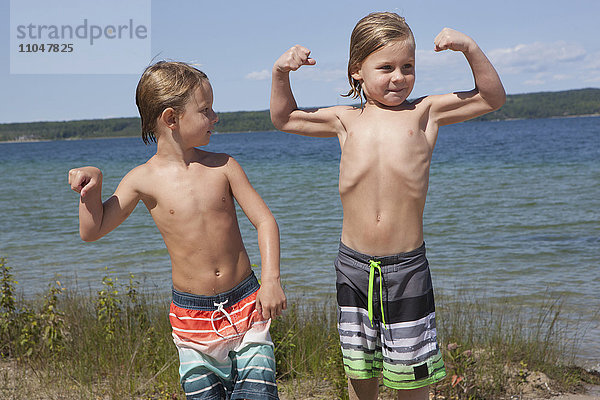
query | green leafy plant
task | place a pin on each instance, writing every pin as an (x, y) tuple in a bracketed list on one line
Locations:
[(8, 308), (108, 305), (52, 320)]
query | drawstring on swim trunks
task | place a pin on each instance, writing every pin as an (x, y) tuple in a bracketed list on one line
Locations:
[(375, 265), (222, 310)]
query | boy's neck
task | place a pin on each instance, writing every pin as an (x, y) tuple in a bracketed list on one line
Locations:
[(374, 104), (168, 148)]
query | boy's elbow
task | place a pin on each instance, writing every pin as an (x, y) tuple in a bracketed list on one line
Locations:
[(272, 223), (87, 236), (284, 120), (500, 100), (278, 122), (268, 224), (496, 101)]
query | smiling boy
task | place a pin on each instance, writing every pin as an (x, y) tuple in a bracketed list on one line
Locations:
[(384, 290), (219, 314)]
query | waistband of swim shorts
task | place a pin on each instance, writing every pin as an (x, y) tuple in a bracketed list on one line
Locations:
[(385, 260), (207, 303)]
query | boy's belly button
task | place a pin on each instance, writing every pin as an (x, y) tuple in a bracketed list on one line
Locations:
[(217, 272)]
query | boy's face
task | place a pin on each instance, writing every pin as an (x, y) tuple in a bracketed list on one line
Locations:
[(387, 76), (197, 120)]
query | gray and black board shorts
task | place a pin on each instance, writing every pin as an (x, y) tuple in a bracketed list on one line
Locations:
[(396, 335)]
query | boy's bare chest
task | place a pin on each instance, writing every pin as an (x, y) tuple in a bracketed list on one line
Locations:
[(384, 154), (377, 127), (393, 140), (191, 193)]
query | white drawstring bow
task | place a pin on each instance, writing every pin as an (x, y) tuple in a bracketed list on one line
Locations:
[(222, 310)]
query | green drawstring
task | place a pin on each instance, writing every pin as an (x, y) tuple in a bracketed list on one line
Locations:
[(373, 265)]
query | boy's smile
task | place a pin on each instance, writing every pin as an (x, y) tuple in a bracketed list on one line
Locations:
[(387, 76)]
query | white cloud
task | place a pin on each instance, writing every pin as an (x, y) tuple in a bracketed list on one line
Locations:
[(321, 74), (429, 59), (591, 69), (593, 79), (536, 57), (305, 73), (534, 82), (592, 61), (543, 63), (262, 75)]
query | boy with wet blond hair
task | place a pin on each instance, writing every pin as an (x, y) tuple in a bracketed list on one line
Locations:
[(385, 297), (219, 313)]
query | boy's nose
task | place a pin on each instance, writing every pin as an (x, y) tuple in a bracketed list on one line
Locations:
[(215, 117), (397, 77)]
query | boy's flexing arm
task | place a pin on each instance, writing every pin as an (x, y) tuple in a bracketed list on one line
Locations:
[(488, 94), (285, 114), (270, 299), (96, 219)]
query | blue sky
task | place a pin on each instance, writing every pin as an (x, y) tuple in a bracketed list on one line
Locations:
[(536, 45)]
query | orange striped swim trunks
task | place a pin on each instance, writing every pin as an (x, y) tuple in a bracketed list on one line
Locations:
[(225, 350)]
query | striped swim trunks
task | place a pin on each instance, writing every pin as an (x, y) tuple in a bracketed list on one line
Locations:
[(225, 350), (386, 318)]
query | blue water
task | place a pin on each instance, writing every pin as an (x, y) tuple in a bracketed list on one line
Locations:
[(513, 213)]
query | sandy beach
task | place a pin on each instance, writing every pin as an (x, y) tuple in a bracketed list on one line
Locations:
[(593, 393), (320, 390)]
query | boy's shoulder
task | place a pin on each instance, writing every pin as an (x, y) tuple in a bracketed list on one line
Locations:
[(213, 160), (346, 113), (217, 162), (333, 110), (420, 105), (419, 101), (140, 170), (346, 110), (209, 156)]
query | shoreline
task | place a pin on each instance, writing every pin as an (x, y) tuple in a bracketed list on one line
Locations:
[(109, 137), (36, 140)]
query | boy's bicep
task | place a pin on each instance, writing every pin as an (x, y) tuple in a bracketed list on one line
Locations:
[(244, 193), (457, 107), (321, 122), (120, 205)]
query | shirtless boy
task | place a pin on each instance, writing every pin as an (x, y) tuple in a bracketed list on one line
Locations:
[(384, 292), (219, 314)]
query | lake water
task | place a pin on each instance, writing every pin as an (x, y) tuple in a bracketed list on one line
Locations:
[(513, 213)]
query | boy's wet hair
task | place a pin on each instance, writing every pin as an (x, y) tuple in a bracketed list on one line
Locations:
[(163, 85), (370, 34)]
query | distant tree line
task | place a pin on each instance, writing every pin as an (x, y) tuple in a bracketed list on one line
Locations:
[(548, 104), (519, 106)]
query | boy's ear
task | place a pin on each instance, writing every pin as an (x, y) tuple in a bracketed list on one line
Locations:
[(169, 117), (356, 75)]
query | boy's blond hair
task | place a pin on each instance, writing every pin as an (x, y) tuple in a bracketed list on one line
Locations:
[(163, 85), (369, 35)]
